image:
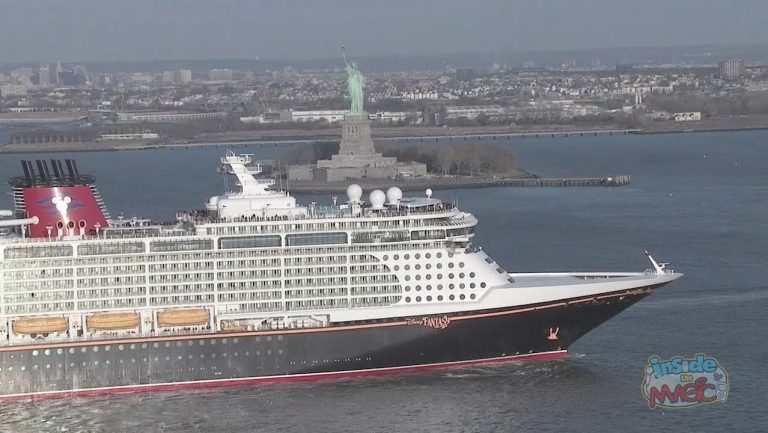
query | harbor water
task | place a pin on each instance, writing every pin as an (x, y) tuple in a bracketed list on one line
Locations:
[(698, 201)]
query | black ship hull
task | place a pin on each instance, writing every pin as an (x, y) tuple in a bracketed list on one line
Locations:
[(541, 331)]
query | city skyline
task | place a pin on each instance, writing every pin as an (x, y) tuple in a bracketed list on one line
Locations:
[(89, 31)]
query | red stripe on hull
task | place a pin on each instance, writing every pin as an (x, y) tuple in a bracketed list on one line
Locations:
[(310, 377)]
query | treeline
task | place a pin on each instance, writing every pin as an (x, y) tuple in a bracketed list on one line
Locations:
[(462, 159)]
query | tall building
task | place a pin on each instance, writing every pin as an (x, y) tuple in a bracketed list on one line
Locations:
[(185, 75), (44, 76), (731, 69), (169, 76)]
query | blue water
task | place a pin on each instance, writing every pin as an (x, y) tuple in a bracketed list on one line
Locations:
[(699, 201)]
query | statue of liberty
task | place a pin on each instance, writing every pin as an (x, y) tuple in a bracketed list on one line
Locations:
[(355, 83)]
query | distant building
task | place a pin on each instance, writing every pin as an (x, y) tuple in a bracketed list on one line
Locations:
[(330, 116), (169, 77), (472, 111), (9, 90), (169, 117), (731, 69), (220, 74), (44, 76), (687, 116), (185, 76)]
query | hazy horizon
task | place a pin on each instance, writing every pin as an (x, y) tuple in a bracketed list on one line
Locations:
[(141, 30)]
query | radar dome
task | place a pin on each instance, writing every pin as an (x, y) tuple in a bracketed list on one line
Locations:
[(377, 198), (354, 193), (429, 192), (394, 194)]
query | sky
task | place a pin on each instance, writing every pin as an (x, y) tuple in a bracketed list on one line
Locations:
[(126, 30)]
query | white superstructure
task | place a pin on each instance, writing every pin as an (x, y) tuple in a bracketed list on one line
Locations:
[(255, 259)]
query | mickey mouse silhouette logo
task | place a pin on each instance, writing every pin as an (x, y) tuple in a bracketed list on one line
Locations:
[(62, 204)]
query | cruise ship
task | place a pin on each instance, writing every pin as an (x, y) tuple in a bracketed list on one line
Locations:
[(256, 288)]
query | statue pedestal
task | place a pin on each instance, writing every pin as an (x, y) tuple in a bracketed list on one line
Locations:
[(356, 149), (357, 158)]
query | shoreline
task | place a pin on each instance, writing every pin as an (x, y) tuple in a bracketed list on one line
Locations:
[(402, 135)]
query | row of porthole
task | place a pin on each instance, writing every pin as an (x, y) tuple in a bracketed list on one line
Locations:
[(146, 345), (427, 266), (417, 256), (440, 298), (450, 276), (440, 286), (145, 359)]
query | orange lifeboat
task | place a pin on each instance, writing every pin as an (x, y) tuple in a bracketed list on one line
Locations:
[(183, 317), (112, 321), (40, 325)]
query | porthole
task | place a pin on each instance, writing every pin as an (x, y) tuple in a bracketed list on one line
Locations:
[(235, 353), (439, 297), (407, 288), (120, 347), (418, 299), (155, 345), (428, 266), (144, 345), (71, 350), (96, 362), (407, 257), (451, 286), (472, 275), (35, 353), (167, 344), (397, 267), (462, 285), (386, 257), (418, 276), (235, 340), (429, 298), (461, 264), (35, 367), (462, 296), (59, 351), (472, 296), (427, 256), (95, 348), (461, 275), (83, 349), (133, 346), (452, 297), (451, 275), (472, 285), (429, 276), (429, 287), (223, 341), (397, 257), (190, 343), (213, 355), (439, 255), (483, 284), (417, 267), (407, 267), (450, 265), (247, 353), (107, 362), (407, 278), (439, 287), (418, 288), (439, 276), (450, 255), (201, 342)]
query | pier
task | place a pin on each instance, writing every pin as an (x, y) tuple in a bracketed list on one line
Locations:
[(438, 182)]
